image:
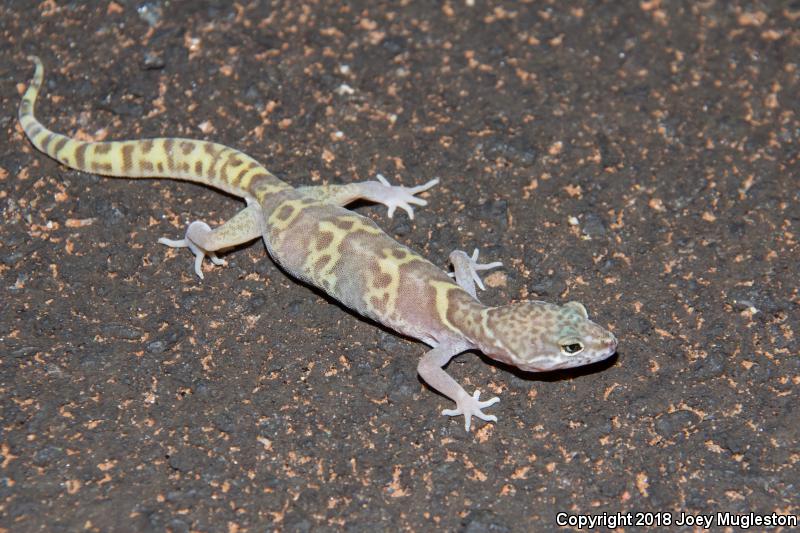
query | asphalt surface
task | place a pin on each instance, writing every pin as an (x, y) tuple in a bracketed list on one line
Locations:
[(640, 157)]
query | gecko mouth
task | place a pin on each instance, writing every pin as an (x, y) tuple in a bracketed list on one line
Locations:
[(611, 346), (549, 366)]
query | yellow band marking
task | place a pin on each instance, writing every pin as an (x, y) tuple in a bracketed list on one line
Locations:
[(442, 291)]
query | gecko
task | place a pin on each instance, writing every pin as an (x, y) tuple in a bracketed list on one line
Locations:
[(310, 234)]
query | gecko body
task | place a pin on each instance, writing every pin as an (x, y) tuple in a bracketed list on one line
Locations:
[(308, 231)]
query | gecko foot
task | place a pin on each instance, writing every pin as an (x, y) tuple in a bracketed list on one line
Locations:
[(394, 196), (195, 230), (459, 258), (470, 406)]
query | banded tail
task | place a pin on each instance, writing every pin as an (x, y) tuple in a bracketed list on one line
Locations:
[(204, 162)]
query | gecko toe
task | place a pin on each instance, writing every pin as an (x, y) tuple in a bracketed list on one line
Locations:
[(470, 406)]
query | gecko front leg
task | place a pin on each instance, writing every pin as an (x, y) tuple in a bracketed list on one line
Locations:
[(430, 369), (465, 270)]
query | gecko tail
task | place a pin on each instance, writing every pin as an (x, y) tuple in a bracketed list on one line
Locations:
[(203, 162)]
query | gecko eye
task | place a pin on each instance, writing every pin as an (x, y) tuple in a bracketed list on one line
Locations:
[(571, 348)]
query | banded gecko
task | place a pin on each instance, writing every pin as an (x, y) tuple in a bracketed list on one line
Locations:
[(309, 233)]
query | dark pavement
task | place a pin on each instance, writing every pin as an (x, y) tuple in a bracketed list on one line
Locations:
[(640, 157)]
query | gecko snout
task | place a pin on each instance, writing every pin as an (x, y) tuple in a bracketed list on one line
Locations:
[(612, 343)]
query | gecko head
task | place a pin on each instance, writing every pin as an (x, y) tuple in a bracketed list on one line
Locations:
[(538, 336)]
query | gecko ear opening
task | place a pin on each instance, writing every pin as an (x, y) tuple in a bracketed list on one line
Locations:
[(577, 306)]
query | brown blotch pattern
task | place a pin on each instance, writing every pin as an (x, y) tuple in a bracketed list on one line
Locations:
[(101, 167), (238, 178), (80, 155), (170, 159), (146, 166), (187, 147), (46, 142), (257, 179), (223, 174), (285, 212), (212, 171), (379, 304), (382, 280), (346, 225), (102, 148), (62, 141), (320, 263), (324, 239), (146, 146), (127, 157)]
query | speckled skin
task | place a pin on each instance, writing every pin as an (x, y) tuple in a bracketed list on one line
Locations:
[(313, 237)]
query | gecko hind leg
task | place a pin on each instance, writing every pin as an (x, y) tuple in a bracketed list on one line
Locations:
[(394, 196), (203, 241)]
